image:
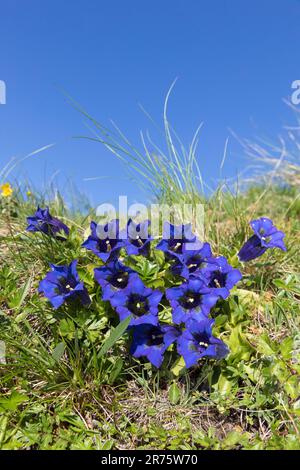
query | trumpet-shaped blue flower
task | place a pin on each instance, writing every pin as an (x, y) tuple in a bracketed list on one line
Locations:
[(139, 301), (105, 240), (152, 341), (191, 261), (197, 341), (191, 300), (42, 221), (175, 238), (62, 283), (137, 239), (266, 235), (113, 277), (220, 276)]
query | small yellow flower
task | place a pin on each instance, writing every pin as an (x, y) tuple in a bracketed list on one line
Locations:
[(6, 190), (28, 193)]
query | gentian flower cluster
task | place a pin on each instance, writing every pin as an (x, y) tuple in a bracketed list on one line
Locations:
[(198, 280)]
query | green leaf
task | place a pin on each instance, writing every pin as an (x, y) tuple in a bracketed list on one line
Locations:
[(21, 317), (58, 351), (116, 370), (174, 394), (24, 292), (248, 297), (265, 345), (252, 372), (223, 385), (296, 407), (114, 336), (286, 348), (107, 445), (292, 387), (232, 439), (67, 328), (178, 367), (239, 347), (20, 295), (12, 402)]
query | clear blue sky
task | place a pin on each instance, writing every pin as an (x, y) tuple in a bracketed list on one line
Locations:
[(235, 60)]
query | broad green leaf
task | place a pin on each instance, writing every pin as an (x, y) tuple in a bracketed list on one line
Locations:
[(12, 402), (279, 370), (116, 370), (265, 345), (24, 293), (223, 385), (114, 336), (252, 372), (247, 296), (174, 394), (107, 445), (296, 407), (292, 387), (232, 439), (58, 351), (239, 347), (178, 367), (19, 318), (20, 295), (67, 328), (286, 348)]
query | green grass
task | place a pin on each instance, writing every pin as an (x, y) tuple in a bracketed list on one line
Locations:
[(58, 392)]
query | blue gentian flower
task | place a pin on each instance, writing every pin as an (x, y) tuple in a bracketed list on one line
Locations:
[(139, 301), (220, 276), (197, 341), (152, 341), (42, 221), (62, 283), (175, 238), (191, 261), (137, 240), (113, 277), (266, 235), (105, 240), (191, 300)]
